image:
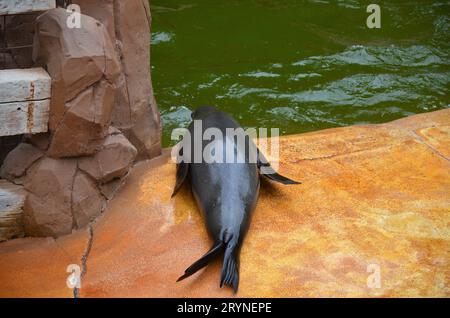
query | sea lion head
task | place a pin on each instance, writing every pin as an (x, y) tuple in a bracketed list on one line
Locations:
[(202, 111)]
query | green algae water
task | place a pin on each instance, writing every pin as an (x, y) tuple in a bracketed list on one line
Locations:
[(299, 65)]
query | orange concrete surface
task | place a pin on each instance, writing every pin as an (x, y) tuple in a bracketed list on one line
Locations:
[(374, 196)]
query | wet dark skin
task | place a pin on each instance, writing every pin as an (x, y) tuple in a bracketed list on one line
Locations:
[(226, 193)]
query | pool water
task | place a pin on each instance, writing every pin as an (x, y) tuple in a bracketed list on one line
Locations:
[(299, 65)]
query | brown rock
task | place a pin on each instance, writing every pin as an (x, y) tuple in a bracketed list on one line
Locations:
[(85, 124), (109, 189), (143, 134), (121, 117), (19, 160), (87, 202), (101, 10), (112, 161), (8, 143), (136, 113), (41, 141), (48, 210), (75, 57), (114, 131)]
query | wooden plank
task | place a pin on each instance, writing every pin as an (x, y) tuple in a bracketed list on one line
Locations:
[(24, 84), (29, 117), (12, 198), (25, 6)]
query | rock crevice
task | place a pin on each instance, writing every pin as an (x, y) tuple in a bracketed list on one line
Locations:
[(84, 260), (423, 142)]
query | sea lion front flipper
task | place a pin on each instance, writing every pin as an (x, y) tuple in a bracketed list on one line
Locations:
[(203, 261), (182, 172), (279, 178), (269, 172)]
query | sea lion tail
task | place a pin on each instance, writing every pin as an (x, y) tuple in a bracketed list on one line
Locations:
[(230, 268), (202, 262)]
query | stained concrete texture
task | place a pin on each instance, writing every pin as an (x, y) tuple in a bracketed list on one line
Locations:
[(374, 203)]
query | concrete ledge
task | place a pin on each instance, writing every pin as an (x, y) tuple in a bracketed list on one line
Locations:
[(24, 85), (372, 197), (25, 6), (24, 101), (24, 117)]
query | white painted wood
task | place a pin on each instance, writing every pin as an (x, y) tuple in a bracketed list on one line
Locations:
[(24, 84), (24, 101), (12, 199), (28, 117), (25, 6)]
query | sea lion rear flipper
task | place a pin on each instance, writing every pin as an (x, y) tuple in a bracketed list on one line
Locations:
[(270, 173), (230, 269), (202, 262)]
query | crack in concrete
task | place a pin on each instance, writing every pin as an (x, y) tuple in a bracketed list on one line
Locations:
[(26, 100), (147, 15), (344, 153), (423, 142), (76, 292)]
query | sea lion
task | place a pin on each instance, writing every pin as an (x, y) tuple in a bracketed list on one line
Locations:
[(226, 193)]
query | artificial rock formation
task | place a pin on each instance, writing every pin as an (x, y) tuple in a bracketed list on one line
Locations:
[(87, 200), (116, 49), (83, 66), (85, 123), (76, 59), (19, 160), (67, 193), (48, 206), (100, 77), (112, 161), (135, 113)]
